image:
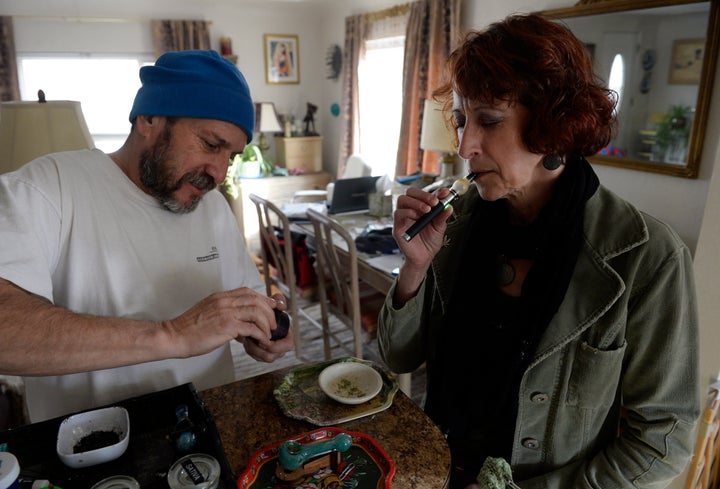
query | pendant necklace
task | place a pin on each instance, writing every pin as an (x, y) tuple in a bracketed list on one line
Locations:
[(504, 271)]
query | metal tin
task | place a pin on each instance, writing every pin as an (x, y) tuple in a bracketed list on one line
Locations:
[(117, 482), (9, 471), (194, 471)]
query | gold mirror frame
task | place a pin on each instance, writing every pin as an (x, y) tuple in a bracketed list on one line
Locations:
[(707, 74)]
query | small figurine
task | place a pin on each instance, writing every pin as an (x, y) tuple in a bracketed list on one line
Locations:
[(184, 432), (309, 120)]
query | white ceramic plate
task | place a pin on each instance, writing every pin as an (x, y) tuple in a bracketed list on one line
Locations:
[(350, 382), (74, 428)]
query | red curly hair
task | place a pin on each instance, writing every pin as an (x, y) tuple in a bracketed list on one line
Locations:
[(543, 66)]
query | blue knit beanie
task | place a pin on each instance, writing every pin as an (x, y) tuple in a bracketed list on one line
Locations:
[(198, 84)]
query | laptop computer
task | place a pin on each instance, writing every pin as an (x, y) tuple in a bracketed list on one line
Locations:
[(351, 195)]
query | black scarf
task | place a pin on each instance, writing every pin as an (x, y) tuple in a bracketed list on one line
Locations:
[(488, 338)]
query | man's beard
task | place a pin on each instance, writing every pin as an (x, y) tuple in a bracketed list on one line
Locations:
[(158, 176)]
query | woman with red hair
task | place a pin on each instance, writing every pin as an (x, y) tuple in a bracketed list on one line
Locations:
[(558, 322)]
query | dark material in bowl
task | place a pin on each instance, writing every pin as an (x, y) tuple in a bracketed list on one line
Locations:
[(96, 440)]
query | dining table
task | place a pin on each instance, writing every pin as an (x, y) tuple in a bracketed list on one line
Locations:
[(248, 418)]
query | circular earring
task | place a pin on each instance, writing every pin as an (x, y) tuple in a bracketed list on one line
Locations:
[(552, 162)]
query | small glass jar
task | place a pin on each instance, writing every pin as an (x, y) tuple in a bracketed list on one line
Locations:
[(117, 482), (194, 471), (9, 471)]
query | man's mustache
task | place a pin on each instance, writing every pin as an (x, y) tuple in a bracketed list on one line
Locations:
[(199, 179)]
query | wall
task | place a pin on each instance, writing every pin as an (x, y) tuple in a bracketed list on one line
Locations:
[(678, 201), (49, 27), (707, 271)]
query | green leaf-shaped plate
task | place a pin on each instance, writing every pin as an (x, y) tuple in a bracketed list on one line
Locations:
[(299, 396)]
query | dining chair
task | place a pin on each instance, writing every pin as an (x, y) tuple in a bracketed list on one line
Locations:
[(339, 287), (704, 469), (279, 263), (13, 411)]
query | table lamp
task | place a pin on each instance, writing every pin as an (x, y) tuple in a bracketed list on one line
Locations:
[(266, 120), (32, 129), (435, 135)]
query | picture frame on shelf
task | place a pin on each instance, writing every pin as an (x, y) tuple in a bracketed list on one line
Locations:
[(282, 59), (686, 61)]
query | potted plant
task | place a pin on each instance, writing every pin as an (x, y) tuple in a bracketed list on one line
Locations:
[(673, 133), (251, 163)]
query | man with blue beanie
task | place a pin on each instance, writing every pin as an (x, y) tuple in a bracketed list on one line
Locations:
[(125, 273)]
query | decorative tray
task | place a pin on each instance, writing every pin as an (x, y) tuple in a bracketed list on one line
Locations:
[(299, 396), (149, 455), (365, 465)]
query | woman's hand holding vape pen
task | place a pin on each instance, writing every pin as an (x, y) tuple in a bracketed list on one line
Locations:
[(419, 229), (418, 252)]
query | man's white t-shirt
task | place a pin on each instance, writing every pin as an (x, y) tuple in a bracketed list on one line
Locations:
[(76, 230)]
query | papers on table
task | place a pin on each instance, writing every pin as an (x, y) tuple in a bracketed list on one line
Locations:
[(387, 262), (298, 210)]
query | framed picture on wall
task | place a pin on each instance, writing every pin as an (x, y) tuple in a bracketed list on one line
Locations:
[(686, 62), (282, 58)]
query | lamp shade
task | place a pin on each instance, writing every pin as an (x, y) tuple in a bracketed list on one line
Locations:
[(32, 129), (435, 134), (266, 119)]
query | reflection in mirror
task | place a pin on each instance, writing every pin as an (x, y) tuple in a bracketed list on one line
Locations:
[(659, 57)]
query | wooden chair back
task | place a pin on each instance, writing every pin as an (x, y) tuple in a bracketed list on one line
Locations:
[(277, 259), (704, 472), (337, 270)]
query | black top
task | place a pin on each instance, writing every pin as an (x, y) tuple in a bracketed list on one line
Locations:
[(489, 337)]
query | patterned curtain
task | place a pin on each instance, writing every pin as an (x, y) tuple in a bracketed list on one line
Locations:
[(180, 35), (9, 86), (354, 51), (432, 32), (358, 30)]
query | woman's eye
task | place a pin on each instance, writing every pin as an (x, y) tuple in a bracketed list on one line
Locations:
[(459, 121), (489, 122)]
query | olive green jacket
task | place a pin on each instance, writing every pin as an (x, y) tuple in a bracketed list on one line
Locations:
[(612, 396)]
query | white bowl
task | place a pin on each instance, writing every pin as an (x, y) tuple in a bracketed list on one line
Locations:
[(350, 382), (76, 428)]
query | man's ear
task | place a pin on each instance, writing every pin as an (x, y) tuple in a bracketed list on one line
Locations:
[(147, 124)]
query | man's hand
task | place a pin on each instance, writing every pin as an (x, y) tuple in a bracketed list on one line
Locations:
[(240, 314), (277, 348), (40, 338), (270, 353)]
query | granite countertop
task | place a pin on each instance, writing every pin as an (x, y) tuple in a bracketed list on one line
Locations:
[(248, 419)]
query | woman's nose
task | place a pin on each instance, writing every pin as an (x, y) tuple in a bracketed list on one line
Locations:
[(468, 145)]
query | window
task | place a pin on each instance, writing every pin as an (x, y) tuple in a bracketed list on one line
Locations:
[(617, 78), (380, 86), (104, 86)]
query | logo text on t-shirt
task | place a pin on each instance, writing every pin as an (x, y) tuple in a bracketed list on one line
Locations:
[(213, 255)]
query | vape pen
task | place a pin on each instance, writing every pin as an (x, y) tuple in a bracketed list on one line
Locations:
[(459, 187)]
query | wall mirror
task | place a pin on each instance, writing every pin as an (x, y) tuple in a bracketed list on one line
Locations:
[(660, 57)]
